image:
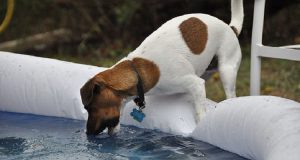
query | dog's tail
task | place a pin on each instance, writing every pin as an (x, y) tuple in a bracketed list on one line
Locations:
[(237, 16)]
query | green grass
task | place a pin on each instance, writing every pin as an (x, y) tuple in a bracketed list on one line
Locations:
[(279, 77)]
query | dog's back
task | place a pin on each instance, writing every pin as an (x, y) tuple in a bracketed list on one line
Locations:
[(177, 37), (187, 44)]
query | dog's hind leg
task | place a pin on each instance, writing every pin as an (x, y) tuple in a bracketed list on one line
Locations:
[(229, 62)]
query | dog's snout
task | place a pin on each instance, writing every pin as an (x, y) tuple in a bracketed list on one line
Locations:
[(92, 132), (109, 123)]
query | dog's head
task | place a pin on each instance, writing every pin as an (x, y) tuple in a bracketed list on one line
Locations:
[(102, 95), (102, 104)]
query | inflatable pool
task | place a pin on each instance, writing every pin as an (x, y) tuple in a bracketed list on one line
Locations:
[(256, 127)]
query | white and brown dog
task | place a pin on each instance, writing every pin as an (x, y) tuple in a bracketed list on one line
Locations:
[(170, 60)]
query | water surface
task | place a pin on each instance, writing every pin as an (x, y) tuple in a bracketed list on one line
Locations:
[(25, 136)]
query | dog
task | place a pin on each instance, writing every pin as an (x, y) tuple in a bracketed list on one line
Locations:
[(170, 60)]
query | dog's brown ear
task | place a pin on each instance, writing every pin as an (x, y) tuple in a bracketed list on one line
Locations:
[(89, 89)]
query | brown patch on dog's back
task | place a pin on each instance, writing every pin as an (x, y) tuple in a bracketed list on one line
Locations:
[(194, 33)]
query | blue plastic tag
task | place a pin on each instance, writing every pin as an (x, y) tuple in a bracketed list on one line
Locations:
[(137, 115)]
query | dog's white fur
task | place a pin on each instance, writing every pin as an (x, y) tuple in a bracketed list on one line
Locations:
[(180, 69)]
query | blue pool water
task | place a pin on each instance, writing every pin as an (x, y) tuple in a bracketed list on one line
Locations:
[(24, 136)]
